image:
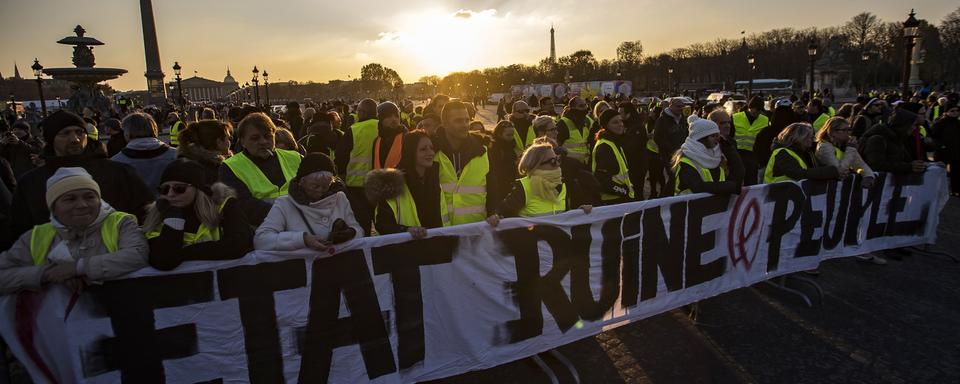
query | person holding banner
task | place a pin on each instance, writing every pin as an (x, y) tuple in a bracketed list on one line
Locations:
[(464, 166), (261, 172), (836, 147), (792, 158), (698, 164), (409, 199), (86, 240), (315, 214), (194, 220), (543, 189), (609, 161)]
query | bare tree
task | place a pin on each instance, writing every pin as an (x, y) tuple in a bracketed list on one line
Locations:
[(861, 31)]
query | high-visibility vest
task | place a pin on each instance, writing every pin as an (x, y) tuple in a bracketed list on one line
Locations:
[(405, 118), (175, 134), (820, 121), (652, 146), (622, 177), (258, 183), (768, 174), (405, 209), (466, 195), (705, 175), (92, 132), (576, 144), (203, 233), (521, 145), (364, 133), (42, 236), (393, 157), (746, 133), (831, 111), (936, 112), (538, 206)]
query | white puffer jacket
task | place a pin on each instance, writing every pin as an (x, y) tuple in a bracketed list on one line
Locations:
[(283, 229)]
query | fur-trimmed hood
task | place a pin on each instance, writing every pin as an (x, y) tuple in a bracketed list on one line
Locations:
[(201, 155), (383, 184)]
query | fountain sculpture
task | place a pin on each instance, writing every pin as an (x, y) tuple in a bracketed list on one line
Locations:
[(85, 77)]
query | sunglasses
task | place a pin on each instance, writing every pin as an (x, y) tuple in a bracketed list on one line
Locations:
[(554, 161), (177, 189)]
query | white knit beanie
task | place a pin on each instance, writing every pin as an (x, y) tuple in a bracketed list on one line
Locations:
[(68, 179), (700, 128)]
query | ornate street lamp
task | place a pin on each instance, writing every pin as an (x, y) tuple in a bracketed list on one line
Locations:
[(865, 58), (752, 61), (38, 72), (911, 30), (266, 86), (176, 71), (812, 52), (256, 86), (670, 80)]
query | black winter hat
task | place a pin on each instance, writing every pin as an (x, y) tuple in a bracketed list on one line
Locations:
[(316, 162), (186, 171), (57, 121), (606, 116)]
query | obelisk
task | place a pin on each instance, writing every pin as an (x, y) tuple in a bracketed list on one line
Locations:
[(553, 46), (157, 92)]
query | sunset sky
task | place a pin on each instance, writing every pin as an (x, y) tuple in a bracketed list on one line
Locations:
[(323, 40)]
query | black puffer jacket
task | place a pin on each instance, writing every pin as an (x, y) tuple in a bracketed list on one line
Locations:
[(884, 149)]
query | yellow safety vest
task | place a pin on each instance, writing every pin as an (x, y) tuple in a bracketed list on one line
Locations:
[(92, 132), (820, 121), (42, 236), (522, 145), (405, 118), (538, 206), (405, 209), (622, 177), (203, 233), (175, 134), (652, 146), (831, 111), (704, 174), (936, 112), (576, 144), (746, 133), (768, 174), (258, 183), (466, 195), (364, 133)]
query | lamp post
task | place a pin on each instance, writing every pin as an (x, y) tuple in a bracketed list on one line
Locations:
[(256, 86), (911, 30), (812, 52), (670, 80), (246, 92), (751, 60), (176, 72), (59, 103), (865, 58), (38, 72), (266, 87)]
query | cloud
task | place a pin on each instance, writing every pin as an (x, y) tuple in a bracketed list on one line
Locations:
[(463, 14)]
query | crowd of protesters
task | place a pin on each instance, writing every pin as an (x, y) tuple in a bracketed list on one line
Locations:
[(84, 199)]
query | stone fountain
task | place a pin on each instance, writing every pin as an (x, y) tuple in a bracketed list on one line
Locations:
[(85, 77)]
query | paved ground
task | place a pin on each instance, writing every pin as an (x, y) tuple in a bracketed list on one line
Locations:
[(877, 324)]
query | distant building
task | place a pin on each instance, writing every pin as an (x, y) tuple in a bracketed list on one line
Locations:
[(201, 89)]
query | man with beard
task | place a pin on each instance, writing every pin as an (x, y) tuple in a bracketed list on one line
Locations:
[(353, 155), (67, 140), (522, 134), (868, 117), (574, 132), (389, 142), (464, 166)]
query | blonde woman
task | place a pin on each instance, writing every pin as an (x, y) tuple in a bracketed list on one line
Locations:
[(836, 147), (194, 220), (541, 191), (792, 157)]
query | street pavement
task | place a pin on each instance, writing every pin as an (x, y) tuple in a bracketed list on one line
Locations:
[(876, 324)]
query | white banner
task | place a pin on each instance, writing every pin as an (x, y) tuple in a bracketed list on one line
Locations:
[(387, 309)]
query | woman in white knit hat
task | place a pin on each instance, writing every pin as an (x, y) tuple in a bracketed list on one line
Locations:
[(86, 240), (699, 166)]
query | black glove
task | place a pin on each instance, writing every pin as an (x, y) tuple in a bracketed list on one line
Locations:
[(341, 232), (168, 211)]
